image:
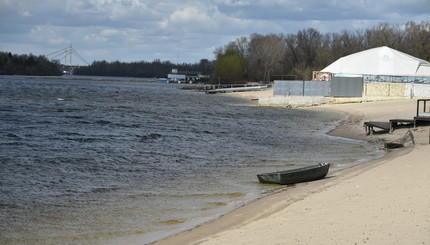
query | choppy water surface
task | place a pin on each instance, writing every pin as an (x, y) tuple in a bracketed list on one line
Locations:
[(95, 160)]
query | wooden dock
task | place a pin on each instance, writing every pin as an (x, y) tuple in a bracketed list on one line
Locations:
[(230, 88), (423, 115), (369, 127), (396, 123), (387, 126)]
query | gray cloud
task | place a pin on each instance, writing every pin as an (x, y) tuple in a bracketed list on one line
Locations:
[(186, 31)]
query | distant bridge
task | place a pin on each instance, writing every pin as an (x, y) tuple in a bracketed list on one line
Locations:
[(66, 55)]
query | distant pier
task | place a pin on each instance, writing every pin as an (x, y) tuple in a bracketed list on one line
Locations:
[(230, 88)]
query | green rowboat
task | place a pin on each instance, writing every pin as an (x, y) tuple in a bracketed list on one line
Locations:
[(297, 175)]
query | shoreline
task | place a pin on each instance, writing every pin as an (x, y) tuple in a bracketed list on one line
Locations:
[(268, 205), (236, 223)]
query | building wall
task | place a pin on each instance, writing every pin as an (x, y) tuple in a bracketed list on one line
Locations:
[(417, 90), (384, 89), (290, 94), (350, 87), (301, 88), (395, 90)]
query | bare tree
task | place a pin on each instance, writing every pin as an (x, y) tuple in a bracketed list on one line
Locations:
[(345, 43), (308, 50), (385, 35), (240, 45), (265, 55), (309, 42), (292, 56), (417, 40)]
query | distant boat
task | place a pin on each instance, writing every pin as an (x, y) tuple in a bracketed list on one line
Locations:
[(297, 175)]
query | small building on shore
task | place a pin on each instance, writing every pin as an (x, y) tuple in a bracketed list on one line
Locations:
[(185, 77)]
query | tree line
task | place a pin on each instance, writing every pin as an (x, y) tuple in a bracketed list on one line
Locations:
[(260, 58), (14, 64), (295, 56), (154, 69)]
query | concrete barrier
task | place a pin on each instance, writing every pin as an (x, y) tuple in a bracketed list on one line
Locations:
[(371, 92), (293, 101)]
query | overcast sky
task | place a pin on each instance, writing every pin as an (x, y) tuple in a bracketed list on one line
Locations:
[(180, 30)]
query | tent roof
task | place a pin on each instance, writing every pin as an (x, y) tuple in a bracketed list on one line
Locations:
[(380, 61)]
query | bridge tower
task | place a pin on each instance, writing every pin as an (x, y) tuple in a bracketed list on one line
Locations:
[(66, 54)]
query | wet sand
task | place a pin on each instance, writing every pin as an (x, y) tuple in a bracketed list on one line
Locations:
[(385, 201)]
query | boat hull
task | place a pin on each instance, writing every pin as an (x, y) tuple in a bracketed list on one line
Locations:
[(298, 175)]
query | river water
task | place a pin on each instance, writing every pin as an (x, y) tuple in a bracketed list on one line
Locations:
[(94, 160)]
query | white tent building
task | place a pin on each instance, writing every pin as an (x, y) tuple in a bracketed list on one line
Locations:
[(380, 61), (375, 74), (379, 73)]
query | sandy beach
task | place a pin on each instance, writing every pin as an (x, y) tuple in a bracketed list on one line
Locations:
[(385, 201)]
